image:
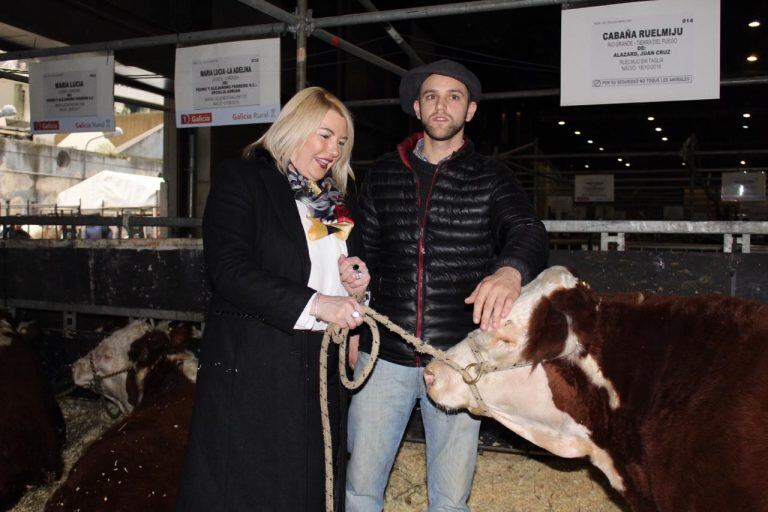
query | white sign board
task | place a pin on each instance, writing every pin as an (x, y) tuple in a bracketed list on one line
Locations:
[(742, 186), (228, 83), (662, 50), (72, 95), (594, 188)]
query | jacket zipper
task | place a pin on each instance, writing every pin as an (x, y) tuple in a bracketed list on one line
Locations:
[(420, 274)]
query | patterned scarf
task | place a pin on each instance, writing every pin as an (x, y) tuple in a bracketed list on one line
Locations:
[(328, 214)]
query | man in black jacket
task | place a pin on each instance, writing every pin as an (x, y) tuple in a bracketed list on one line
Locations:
[(450, 238)]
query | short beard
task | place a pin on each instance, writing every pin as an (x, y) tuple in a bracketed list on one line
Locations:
[(449, 134)]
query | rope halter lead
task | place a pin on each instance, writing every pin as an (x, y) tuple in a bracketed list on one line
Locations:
[(470, 374), (96, 385), (481, 367)]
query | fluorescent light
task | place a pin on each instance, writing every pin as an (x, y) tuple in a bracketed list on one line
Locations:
[(561, 123), (619, 159), (586, 166), (577, 132), (651, 118), (658, 128), (626, 164), (665, 139), (590, 141), (745, 126), (601, 149), (746, 115), (754, 24), (743, 162), (752, 58)]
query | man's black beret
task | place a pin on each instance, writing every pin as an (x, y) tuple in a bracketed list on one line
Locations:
[(410, 84)]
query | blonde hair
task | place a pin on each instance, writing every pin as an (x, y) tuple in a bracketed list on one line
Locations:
[(297, 120)]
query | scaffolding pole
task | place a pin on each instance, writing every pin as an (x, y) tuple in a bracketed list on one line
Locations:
[(432, 11), (301, 46), (539, 93), (414, 57), (323, 35), (202, 36)]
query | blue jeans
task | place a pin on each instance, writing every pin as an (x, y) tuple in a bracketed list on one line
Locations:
[(378, 417)]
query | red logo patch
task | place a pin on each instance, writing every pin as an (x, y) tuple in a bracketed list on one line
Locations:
[(46, 125), (203, 117)]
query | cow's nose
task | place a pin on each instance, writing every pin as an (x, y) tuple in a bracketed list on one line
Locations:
[(429, 377)]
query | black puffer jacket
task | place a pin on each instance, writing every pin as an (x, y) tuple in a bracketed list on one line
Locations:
[(477, 219)]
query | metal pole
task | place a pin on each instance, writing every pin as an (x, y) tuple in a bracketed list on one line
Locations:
[(323, 35), (202, 36), (431, 11), (534, 93), (301, 46), (414, 57)]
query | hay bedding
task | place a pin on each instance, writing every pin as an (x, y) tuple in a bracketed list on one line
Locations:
[(503, 482), (508, 483)]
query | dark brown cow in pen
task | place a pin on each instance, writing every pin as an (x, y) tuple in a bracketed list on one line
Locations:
[(668, 396), (31, 424), (136, 464)]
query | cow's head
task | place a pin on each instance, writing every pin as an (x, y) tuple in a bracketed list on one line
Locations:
[(123, 359), (509, 344), (518, 398)]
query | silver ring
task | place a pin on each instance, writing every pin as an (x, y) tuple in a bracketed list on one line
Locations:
[(355, 314)]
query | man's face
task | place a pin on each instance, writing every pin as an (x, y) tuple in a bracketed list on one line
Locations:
[(444, 107)]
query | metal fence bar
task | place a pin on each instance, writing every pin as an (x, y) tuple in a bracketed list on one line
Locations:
[(657, 227), (94, 309), (84, 220)]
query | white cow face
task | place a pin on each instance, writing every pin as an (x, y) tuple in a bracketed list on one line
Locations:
[(520, 398), (111, 355), (500, 347)]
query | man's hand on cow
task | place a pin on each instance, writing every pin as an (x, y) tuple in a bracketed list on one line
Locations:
[(354, 275), (342, 311), (493, 297)]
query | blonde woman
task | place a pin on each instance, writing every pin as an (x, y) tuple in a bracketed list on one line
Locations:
[(280, 249)]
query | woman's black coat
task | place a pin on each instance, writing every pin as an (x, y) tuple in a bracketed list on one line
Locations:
[(256, 441)]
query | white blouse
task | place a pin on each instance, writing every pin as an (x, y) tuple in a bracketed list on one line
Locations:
[(324, 274)]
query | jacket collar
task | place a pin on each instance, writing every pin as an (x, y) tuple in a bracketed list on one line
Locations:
[(405, 148), (281, 197)]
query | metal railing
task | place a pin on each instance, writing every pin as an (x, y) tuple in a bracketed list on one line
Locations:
[(614, 232)]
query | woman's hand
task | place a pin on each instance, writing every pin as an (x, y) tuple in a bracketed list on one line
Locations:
[(342, 311), (354, 275)]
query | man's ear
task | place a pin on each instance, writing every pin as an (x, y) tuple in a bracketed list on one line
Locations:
[(471, 109), (417, 108)]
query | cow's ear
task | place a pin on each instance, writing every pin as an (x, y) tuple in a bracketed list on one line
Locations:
[(547, 332)]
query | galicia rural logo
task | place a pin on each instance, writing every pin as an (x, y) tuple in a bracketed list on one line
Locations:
[(46, 125), (203, 117)]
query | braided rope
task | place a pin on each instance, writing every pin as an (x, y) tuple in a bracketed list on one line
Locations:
[(340, 336)]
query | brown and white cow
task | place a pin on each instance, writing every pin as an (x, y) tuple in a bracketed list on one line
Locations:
[(136, 463), (32, 431), (668, 396), (106, 368)]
